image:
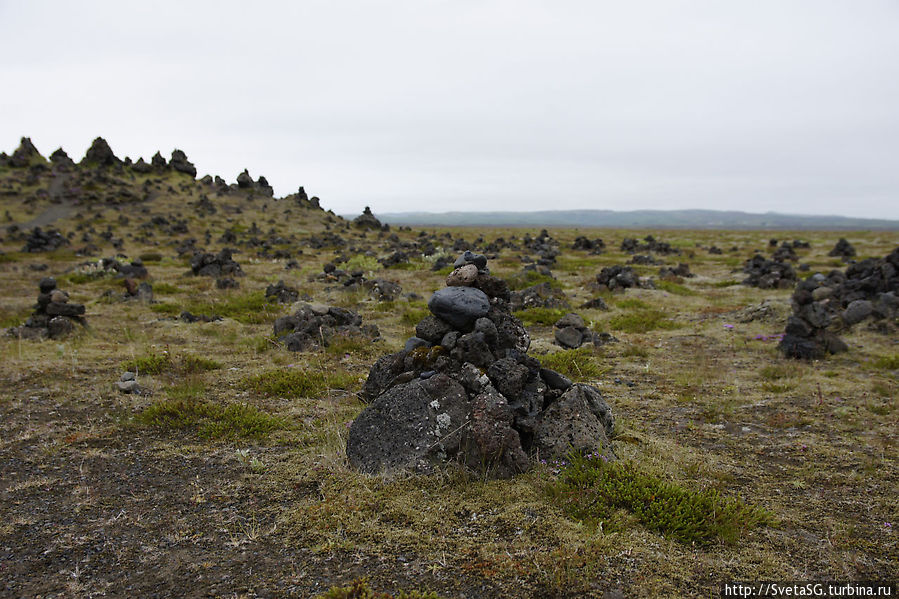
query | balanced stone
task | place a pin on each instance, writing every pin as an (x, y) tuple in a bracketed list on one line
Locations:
[(459, 306)]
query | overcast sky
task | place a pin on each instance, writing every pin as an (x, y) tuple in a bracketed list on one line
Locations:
[(437, 105)]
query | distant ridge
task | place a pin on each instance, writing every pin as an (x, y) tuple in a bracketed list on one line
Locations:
[(636, 219)]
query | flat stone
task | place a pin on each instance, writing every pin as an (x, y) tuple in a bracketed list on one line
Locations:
[(459, 306)]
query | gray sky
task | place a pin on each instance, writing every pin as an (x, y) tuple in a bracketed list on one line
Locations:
[(437, 105)]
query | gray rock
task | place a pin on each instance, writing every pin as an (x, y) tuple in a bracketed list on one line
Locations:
[(569, 337), (469, 257), (857, 311), (128, 386), (449, 340), (555, 380), (415, 425), (493, 446), (432, 329), (580, 420), (127, 376), (459, 306), (570, 320), (415, 342), (382, 373), (509, 377), (59, 327)]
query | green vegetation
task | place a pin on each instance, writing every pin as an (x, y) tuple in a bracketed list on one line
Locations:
[(357, 345), (887, 362), (529, 278), (576, 364), (210, 420), (414, 313), (632, 303), (675, 288), (248, 308), (164, 362), (361, 262), (534, 316), (774, 372), (594, 491), (642, 321), (166, 289), (293, 383), (150, 257), (359, 589)]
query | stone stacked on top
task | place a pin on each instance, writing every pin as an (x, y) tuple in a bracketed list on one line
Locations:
[(465, 390)]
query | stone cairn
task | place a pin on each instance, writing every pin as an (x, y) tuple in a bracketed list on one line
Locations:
[(315, 325), (825, 304), (465, 390), (54, 316)]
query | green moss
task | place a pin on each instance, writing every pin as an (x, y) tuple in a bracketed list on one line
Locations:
[(359, 589), (576, 364), (887, 362), (642, 321), (299, 383), (534, 316), (529, 278), (594, 491), (675, 288), (210, 420), (164, 362)]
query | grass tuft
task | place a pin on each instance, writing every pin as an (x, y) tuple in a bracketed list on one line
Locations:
[(164, 362), (211, 421), (359, 589), (594, 491), (576, 364), (536, 315), (642, 321), (293, 383), (529, 278)]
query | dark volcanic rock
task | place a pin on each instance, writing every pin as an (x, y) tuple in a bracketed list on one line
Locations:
[(54, 316), (843, 249), (100, 154), (314, 326), (181, 164), (367, 220), (25, 154)]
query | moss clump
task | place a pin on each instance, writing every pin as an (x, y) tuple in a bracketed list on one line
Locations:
[(675, 288), (642, 321), (299, 383), (164, 362), (529, 278), (210, 420), (359, 589), (595, 491), (576, 364), (534, 316)]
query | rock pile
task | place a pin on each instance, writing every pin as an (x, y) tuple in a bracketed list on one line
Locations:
[(315, 325), (825, 304), (616, 277), (54, 316), (367, 220), (281, 293), (632, 246), (594, 246), (44, 241), (465, 390), (542, 295), (571, 333), (205, 264), (768, 274), (681, 271), (843, 249)]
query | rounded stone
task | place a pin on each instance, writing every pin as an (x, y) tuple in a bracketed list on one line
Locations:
[(459, 306), (464, 276)]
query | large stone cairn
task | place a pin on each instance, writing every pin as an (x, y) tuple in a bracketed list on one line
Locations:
[(44, 241), (54, 316), (768, 274), (826, 304), (465, 390)]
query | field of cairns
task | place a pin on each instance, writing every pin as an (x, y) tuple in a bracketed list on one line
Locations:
[(209, 391)]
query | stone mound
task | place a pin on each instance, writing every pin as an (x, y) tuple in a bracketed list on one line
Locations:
[(367, 220), (768, 274), (571, 333), (44, 241), (618, 277), (464, 390), (542, 295), (54, 316), (205, 264), (632, 246), (594, 246), (681, 271), (825, 304), (313, 326), (843, 249)]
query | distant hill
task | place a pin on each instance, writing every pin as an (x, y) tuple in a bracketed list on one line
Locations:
[(637, 219)]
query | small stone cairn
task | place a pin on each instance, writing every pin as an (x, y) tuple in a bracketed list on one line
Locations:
[(54, 316), (464, 390)]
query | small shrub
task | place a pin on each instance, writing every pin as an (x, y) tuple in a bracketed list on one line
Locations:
[(576, 364), (534, 316), (593, 491), (293, 383)]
